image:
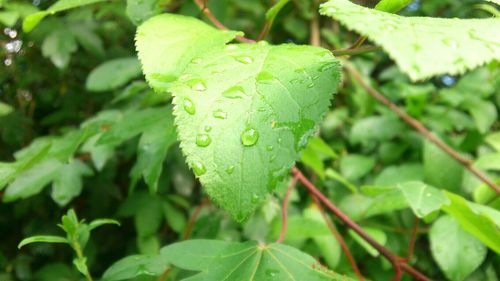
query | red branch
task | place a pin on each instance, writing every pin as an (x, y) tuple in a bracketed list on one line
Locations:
[(284, 210), (421, 129), (339, 238), (194, 217), (413, 240), (398, 263)]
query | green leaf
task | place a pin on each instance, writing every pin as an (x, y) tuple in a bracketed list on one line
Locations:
[(422, 198), (175, 217), (480, 221), (9, 18), (89, 40), (376, 128), (100, 222), (32, 181), (355, 166), (377, 234), (59, 46), (133, 266), (440, 169), (32, 20), (391, 6), (152, 150), (42, 239), (140, 10), (68, 183), (457, 252), (167, 43), (218, 260), (452, 45), (483, 112), (5, 109), (113, 74), (494, 140), (274, 10)]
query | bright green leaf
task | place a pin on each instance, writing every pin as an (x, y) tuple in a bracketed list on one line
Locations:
[(457, 252), (113, 74), (391, 6), (355, 166), (133, 266), (422, 198), (167, 43), (452, 45), (478, 220), (100, 222), (219, 260), (42, 239), (32, 20), (494, 140)]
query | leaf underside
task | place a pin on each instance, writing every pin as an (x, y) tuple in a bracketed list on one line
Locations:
[(422, 46), (243, 111)]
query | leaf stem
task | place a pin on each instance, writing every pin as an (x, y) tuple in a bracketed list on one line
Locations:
[(206, 11), (397, 262), (194, 217), (80, 256), (284, 210), (421, 128), (356, 51)]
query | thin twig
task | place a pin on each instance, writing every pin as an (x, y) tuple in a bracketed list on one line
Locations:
[(315, 37), (413, 240), (339, 238), (194, 217), (421, 128), (205, 10), (284, 210), (397, 262), (357, 51)]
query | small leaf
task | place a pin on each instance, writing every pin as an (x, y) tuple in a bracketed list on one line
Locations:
[(42, 239), (59, 46), (354, 166), (99, 222), (392, 6), (113, 74), (440, 169), (68, 183), (457, 252), (219, 260), (32, 20), (140, 10), (133, 266), (452, 45)]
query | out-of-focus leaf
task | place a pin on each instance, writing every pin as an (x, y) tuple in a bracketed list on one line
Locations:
[(377, 234), (133, 266), (375, 128), (68, 183), (457, 252), (113, 74), (441, 170), (59, 46), (355, 166), (392, 6), (5, 109), (422, 198)]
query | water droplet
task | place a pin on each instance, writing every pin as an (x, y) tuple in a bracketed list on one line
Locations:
[(199, 169), (255, 198), (235, 92), (280, 140), (272, 272), (197, 85), (310, 85), (219, 114), (295, 81), (265, 77), (269, 148), (184, 77), (231, 47), (300, 71), (331, 10), (196, 61), (327, 67), (189, 106), (244, 59), (230, 169), (203, 140), (249, 137), (208, 128)]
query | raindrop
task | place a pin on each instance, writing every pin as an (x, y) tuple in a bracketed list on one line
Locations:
[(230, 169), (255, 198), (265, 77), (197, 85), (244, 59), (235, 92), (269, 148), (199, 169), (219, 114), (295, 81), (208, 128), (272, 272), (189, 106), (310, 85), (331, 10), (327, 67), (203, 140), (249, 137)]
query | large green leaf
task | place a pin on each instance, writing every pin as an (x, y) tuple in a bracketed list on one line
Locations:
[(137, 265), (32, 20), (219, 260), (168, 42), (481, 221), (457, 252), (243, 111), (422, 46)]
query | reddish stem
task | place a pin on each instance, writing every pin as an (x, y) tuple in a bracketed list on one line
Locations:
[(340, 239), (413, 240), (194, 217), (284, 211), (396, 261)]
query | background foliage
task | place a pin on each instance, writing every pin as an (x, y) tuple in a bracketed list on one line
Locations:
[(80, 128)]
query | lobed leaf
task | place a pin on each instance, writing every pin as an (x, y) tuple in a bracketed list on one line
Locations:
[(423, 46)]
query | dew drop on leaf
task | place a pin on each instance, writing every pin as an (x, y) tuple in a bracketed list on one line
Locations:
[(255, 198), (208, 128), (219, 114), (269, 148), (249, 137), (199, 169), (203, 140), (189, 106), (197, 85), (235, 92), (265, 77), (244, 59), (230, 169), (272, 272)]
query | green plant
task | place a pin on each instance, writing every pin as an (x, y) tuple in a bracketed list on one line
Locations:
[(251, 119)]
